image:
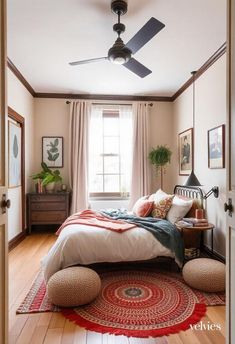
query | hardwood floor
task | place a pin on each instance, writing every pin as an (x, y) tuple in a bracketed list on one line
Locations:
[(53, 328)]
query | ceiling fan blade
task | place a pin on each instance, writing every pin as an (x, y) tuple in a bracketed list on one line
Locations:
[(136, 67), (87, 61), (148, 31)]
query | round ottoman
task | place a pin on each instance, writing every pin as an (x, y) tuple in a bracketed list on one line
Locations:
[(205, 274), (73, 286)]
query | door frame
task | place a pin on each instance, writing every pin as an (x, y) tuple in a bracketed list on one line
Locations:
[(230, 193), (3, 176), (21, 121)]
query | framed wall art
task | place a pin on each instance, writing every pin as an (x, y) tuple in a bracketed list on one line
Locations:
[(186, 152), (52, 151), (216, 147), (14, 151)]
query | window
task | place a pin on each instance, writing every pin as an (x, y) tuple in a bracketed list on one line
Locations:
[(110, 151)]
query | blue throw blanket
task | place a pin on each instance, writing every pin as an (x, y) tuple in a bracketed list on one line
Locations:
[(164, 231)]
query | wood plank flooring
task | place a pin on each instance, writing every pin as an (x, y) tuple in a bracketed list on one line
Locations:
[(53, 328)]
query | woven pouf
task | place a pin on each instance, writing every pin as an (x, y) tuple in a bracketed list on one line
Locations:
[(73, 286), (205, 274)]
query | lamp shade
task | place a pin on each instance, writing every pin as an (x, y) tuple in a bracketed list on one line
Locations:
[(192, 180)]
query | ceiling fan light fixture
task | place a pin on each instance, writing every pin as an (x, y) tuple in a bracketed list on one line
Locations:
[(119, 54), (119, 60), (119, 57)]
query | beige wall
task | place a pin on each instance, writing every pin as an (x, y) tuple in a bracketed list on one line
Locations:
[(210, 111), (20, 100)]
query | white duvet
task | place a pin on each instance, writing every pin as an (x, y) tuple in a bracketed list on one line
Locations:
[(79, 244)]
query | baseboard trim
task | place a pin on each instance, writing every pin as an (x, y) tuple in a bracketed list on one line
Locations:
[(215, 255), (16, 240)]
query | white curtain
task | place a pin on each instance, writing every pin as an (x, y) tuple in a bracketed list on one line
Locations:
[(95, 144), (126, 137), (78, 154), (140, 181)]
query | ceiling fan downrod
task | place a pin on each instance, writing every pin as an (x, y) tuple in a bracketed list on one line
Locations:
[(118, 53)]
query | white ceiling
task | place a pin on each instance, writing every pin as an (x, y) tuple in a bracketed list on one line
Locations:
[(44, 35)]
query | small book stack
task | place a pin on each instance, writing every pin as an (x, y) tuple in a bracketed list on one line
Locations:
[(196, 222)]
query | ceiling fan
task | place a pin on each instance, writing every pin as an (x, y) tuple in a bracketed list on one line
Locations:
[(121, 53)]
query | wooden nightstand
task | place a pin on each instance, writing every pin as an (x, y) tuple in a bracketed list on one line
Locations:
[(193, 236), (47, 208)]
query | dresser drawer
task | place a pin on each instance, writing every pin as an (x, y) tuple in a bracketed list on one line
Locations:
[(48, 216), (48, 198), (48, 206)]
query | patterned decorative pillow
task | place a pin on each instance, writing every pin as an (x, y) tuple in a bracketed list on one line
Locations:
[(162, 206), (143, 207)]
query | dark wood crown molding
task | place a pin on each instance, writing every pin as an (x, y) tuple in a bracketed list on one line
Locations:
[(103, 97), (130, 98), (20, 77), (221, 51)]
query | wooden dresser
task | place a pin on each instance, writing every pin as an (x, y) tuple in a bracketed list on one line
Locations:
[(47, 208)]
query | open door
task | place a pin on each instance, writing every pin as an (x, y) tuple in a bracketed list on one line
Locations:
[(3, 183), (229, 205)]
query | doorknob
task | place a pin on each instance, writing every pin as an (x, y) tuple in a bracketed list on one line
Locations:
[(228, 207), (6, 203)]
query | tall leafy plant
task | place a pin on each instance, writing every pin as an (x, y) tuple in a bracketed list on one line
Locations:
[(160, 157)]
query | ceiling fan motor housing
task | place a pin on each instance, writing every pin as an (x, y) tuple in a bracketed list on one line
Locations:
[(119, 54), (119, 6)]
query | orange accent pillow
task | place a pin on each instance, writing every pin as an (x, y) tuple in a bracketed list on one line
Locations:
[(143, 207), (161, 207)]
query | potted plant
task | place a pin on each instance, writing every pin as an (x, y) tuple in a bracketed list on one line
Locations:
[(47, 177), (160, 157)]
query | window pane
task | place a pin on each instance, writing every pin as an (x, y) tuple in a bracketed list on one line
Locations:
[(111, 145), (98, 165), (96, 184), (111, 183), (111, 164), (111, 126)]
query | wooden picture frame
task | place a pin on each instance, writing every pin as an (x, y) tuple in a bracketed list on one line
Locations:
[(53, 151), (186, 152), (216, 147)]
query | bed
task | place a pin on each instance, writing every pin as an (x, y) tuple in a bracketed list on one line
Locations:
[(84, 245)]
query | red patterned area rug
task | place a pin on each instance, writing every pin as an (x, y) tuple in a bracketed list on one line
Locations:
[(133, 303)]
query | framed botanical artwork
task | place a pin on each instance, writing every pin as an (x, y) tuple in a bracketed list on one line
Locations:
[(14, 154), (216, 147), (186, 152), (52, 151)]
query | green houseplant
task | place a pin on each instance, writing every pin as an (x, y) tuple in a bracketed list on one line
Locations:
[(160, 157), (47, 177)]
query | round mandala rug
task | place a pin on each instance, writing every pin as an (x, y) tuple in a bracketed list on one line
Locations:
[(139, 304)]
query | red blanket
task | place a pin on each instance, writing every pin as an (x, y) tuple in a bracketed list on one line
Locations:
[(93, 218)]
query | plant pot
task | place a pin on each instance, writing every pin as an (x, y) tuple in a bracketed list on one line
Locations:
[(50, 187)]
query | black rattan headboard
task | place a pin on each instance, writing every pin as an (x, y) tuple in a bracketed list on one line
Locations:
[(193, 192)]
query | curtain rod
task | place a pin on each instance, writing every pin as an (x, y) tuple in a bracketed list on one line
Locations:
[(69, 102)]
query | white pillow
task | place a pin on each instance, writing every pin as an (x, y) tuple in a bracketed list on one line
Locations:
[(159, 195), (179, 209)]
